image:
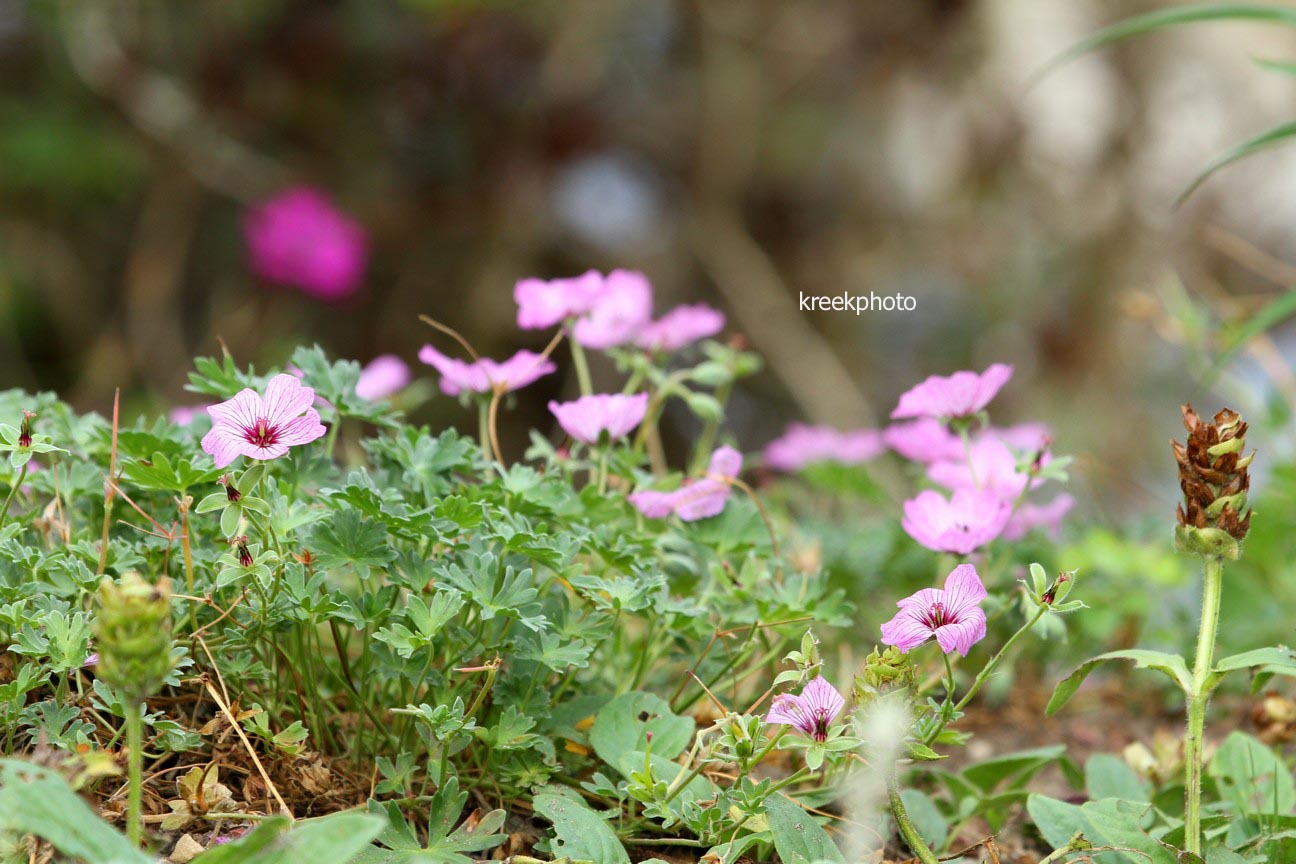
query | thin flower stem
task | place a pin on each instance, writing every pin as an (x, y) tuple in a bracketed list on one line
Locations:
[(110, 486), (582, 368), (331, 441), (188, 559), (603, 470), (985, 673), (1212, 571), (135, 762), (706, 440), (483, 427), (4, 511), (907, 830), (967, 454)]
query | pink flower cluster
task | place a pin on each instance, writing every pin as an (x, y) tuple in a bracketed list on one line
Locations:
[(803, 445), (985, 474), (484, 375), (697, 498), (611, 311), (589, 418)]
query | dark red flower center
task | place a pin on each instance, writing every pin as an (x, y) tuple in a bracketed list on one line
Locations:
[(819, 729), (938, 616), (262, 434)]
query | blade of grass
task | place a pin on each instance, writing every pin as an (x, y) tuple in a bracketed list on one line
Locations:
[(1163, 19)]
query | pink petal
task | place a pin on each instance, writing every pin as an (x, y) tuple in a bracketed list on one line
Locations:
[(384, 375), (286, 398), (621, 310), (785, 710), (242, 411), (819, 694), (963, 590), (223, 446), (653, 504), (301, 430), (543, 303), (960, 637), (905, 631), (701, 500), (725, 462)]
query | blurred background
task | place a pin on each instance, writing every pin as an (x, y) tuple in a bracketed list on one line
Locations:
[(739, 152)]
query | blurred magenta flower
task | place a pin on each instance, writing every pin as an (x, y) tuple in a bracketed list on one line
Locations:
[(962, 523), (381, 377), (680, 327), (1048, 516), (263, 427), (803, 445), (183, 415), (696, 499), (484, 375), (811, 712), (925, 440), (951, 615), (588, 417), (954, 396), (299, 239), (544, 303), (621, 310)]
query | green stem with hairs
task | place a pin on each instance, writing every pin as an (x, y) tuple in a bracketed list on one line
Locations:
[(917, 845), (582, 367), (1199, 695), (135, 763), (4, 512), (967, 453), (483, 427), (985, 673)]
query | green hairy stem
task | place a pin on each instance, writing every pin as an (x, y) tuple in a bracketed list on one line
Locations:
[(1198, 696)]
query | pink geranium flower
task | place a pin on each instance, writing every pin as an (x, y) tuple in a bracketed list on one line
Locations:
[(263, 427), (926, 440), (381, 377), (587, 418), (696, 499), (543, 303), (811, 712), (950, 397), (952, 616), (1031, 516), (679, 327), (962, 523), (484, 375), (621, 310), (803, 445), (299, 239)]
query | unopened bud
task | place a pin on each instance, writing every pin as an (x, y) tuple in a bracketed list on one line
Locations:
[(24, 431), (133, 634)]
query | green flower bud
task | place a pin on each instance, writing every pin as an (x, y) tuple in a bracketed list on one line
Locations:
[(133, 635)]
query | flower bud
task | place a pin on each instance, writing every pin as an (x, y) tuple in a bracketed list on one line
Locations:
[(231, 493), (1213, 475), (884, 672), (244, 553), (133, 634), (24, 431)]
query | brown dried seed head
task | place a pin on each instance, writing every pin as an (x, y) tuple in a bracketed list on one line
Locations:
[(1213, 473)]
